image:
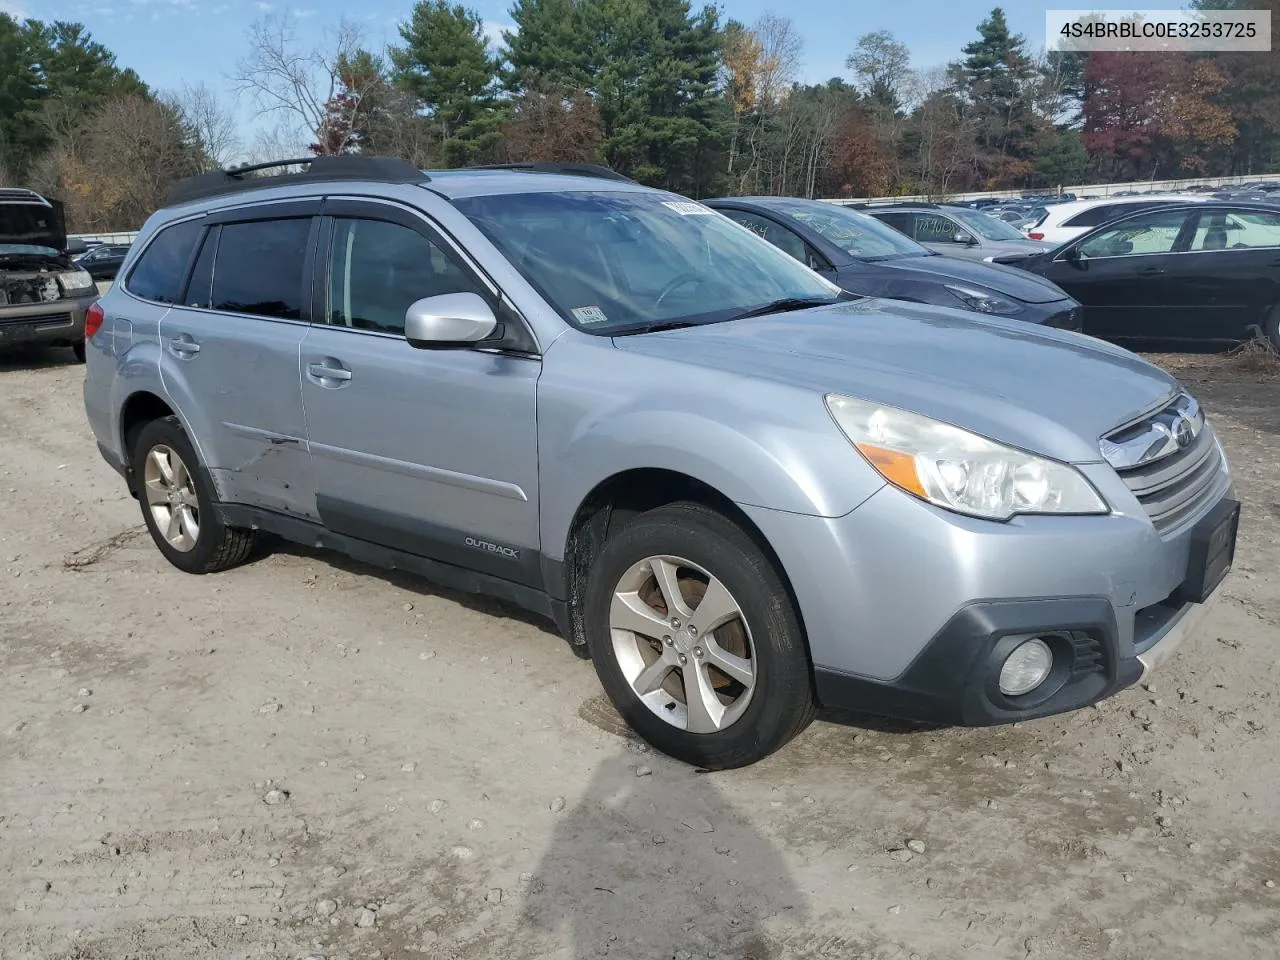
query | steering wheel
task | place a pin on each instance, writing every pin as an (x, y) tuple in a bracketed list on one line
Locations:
[(675, 285)]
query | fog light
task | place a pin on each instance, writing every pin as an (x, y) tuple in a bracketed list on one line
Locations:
[(1026, 668)]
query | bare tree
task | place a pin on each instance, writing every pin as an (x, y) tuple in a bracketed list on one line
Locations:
[(781, 53), (212, 126), (276, 143), (944, 134), (302, 85)]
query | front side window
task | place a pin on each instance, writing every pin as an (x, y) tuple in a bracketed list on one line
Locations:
[(785, 240), (161, 271), (1237, 230), (378, 269), (1145, 235), (931, 228), (258, 268), (622, 261)]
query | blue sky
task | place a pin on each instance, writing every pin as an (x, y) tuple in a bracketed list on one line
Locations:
[(169, 41)]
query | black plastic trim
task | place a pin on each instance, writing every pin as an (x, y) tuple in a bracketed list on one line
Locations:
[(954, 679), (434, 541), (319, 169), (450, 575)]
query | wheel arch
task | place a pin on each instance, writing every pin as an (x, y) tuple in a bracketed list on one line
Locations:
[(612, 502)]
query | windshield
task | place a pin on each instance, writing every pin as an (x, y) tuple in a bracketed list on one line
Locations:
[(985, 226), (860, 236), (617, 262)]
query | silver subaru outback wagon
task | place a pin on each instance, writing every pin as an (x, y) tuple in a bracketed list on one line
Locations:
[(742, 493)]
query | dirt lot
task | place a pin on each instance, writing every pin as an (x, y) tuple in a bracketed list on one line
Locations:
[(449, 783)]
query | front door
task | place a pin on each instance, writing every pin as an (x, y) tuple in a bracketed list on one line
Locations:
[(231, 356), (431, 452), (1121, 275)]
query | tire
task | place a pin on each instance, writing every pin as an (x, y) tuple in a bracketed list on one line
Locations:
[(1271, 327), (214, 546), (699, 551), (78, 349)]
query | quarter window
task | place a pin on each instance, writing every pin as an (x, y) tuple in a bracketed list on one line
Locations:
[(258, 268), (161, 272), (378, 269)]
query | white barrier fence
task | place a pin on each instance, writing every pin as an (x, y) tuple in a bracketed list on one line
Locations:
[(1080, 190)]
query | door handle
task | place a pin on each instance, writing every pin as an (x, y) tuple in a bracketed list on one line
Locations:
[(1150, 271), (324, 371), (184, 346)]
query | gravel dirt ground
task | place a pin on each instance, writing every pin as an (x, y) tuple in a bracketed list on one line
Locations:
[(305, 757)]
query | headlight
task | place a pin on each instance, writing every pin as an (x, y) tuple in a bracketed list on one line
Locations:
[(985, 302), (959, 470), (76, 280)]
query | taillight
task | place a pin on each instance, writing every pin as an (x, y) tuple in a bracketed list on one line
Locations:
[(1035, 235), (93, 318)]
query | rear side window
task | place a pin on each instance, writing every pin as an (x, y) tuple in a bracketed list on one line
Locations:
[(899, 221), (258, 268), (161, 272)]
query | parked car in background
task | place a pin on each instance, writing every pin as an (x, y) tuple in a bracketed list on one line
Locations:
[(104, 260), (43, 293), (1175, 276), (741, 492), (870, 258), (955, 231), (1066, 221)]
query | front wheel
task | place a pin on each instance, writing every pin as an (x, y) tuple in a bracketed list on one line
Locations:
[(696, 640)]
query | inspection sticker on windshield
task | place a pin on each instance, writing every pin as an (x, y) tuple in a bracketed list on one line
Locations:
[(589, 315), (687, 208)]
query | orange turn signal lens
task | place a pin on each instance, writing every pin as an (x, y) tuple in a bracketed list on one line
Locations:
[(898, 468)]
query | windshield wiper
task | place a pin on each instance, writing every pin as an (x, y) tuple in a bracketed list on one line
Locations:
[(656, 327), (786, 304)]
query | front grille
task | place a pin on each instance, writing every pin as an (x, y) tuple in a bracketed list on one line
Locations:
[(43, 319), (1178, 486)]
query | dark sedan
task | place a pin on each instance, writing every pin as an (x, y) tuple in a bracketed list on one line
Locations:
[(1194, 274), (867, 257), (104, 260)]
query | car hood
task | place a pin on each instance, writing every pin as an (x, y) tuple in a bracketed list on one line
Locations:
[(33, 224), (1026, 248), (1008, 281), (1052, 392)]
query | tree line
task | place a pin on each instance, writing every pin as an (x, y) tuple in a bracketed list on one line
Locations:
[(669, 94)]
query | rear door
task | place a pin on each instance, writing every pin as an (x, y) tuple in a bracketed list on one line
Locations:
[(1121, 275), (230, 354), (432, 452), (1228, 278)]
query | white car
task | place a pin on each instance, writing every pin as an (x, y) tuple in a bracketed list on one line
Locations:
[(1066, 221)]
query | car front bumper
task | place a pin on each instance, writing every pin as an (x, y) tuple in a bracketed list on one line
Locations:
[(1059, 314), (56, 322), (910, 610)]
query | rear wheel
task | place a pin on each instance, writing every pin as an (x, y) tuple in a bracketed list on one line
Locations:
[(696, 640), (176, 496), (1271, 327)]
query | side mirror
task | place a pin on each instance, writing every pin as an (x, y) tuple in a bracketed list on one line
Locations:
[(449, 320), (76, 246), (965, 238), (1071, 255)]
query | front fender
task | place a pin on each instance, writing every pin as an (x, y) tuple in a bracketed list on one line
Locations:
[(764, 444)]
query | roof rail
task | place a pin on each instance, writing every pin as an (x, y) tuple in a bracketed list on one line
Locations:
[(570, 169), (317, 169)]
